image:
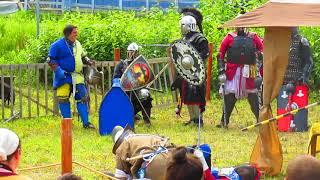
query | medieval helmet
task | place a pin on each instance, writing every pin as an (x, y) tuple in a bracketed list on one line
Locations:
[(94, 76), (194, 13), (188, 24), (241, 31), (116, 132), (132, 51), (143, 94), (119, 134)]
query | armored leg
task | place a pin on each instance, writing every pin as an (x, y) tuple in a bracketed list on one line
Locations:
[(146, 110), (191, 115), (254, 104), (63, 93), (229, 102), (197, 113), (82, 98)]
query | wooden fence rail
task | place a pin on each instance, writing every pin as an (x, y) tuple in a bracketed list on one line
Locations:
[(26, 89)]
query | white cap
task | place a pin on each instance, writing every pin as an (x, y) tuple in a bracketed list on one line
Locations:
[(9, 142), (133, 47)]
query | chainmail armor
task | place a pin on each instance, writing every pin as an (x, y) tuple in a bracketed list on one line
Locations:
[(294, 69)]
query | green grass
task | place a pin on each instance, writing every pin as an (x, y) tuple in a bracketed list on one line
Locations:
[(41, 140)]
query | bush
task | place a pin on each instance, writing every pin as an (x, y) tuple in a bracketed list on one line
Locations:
[(101, 32)]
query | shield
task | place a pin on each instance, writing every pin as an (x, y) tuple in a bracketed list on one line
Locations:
[(188, 62), (116, 109), (137, 75)]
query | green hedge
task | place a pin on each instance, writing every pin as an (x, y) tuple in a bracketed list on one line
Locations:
[(101, 32)]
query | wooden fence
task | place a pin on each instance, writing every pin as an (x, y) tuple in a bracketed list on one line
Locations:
[(26, 89)]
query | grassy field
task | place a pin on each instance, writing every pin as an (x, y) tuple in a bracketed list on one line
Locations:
[(41, 140)]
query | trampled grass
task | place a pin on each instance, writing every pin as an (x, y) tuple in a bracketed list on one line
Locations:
[(41, 140)]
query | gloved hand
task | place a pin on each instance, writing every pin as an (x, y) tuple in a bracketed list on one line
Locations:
[(92, 62), (116, 82), (303, 79), (199, 154), (59, 73), (221, 66), (222, 78), (88, 61)]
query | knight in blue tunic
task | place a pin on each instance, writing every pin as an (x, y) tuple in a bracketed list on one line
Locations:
[(66, 59)]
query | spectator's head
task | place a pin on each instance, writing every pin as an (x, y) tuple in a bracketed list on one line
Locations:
[(248, 172), (69, 176), (70, 32), (10, 151), (183, 166), (303, 167)]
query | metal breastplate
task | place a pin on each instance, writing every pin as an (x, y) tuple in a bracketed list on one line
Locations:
[(242, 50), (294, 68)]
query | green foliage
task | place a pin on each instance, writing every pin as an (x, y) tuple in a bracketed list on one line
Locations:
[(14, 32), (101, 32), (313, 35)]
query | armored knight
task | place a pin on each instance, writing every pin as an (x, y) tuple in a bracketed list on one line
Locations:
[(193, 95), (243, 49), (300, 60), (141, 99), (294, 93)]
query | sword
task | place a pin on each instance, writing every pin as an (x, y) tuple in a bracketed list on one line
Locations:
[(199, 127), (280, 116)]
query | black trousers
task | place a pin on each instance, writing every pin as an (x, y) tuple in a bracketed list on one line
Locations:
[(145, 108), (230, 101)]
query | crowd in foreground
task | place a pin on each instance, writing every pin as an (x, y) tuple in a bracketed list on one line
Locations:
[(181, 166)]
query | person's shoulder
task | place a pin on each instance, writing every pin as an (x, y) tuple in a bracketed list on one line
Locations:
[(121, 62), (253, 35), (57, 42), (304, 41), (16, 177), (231, 34), (198, 36), (78, 42)]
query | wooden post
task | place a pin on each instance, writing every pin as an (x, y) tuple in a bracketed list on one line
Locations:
[(208, 85), (116, 54), (66, 145)]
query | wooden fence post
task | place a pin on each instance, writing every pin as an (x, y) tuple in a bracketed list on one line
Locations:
[(66, 145), (116, 54), (208, 85)]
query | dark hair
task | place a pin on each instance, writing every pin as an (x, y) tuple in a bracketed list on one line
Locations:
[(304, 167), (9, 157), (183, 166), (248, 172), (69, 176), (68, 29)]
